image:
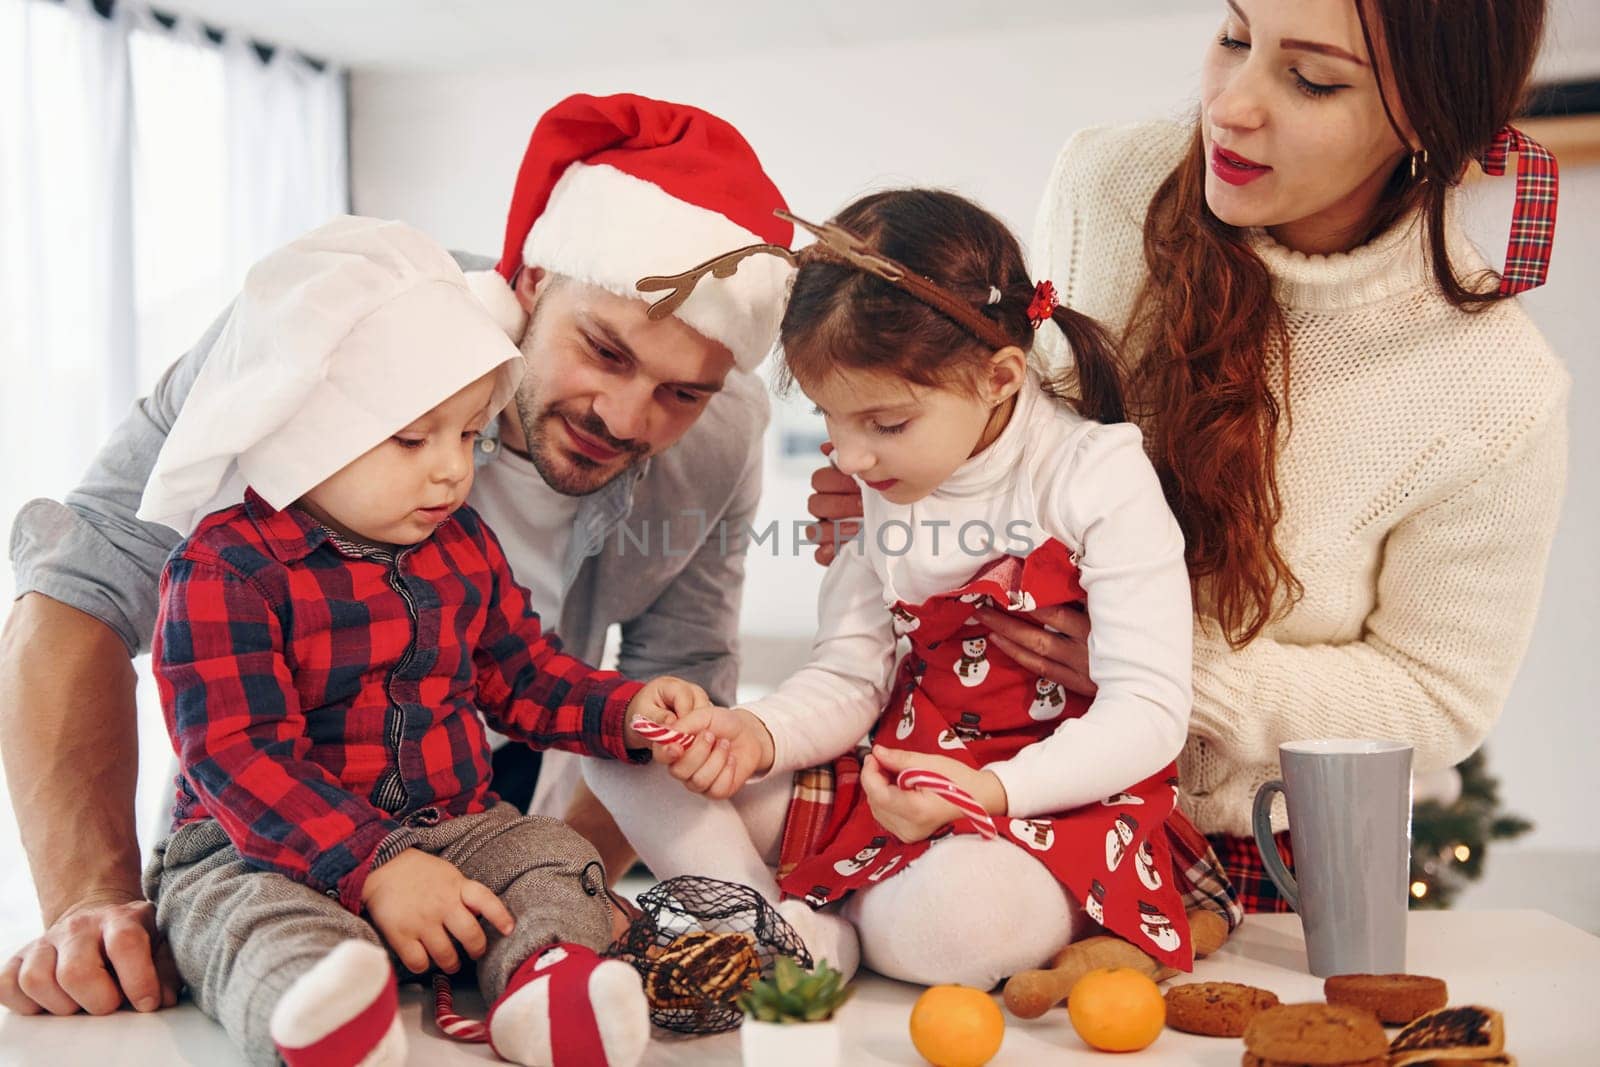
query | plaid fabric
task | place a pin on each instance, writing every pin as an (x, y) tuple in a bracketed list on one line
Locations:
[(320, 694), (1241, 863), (1533, 217), (1202, 879)]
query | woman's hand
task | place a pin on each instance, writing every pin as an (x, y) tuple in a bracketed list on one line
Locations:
[(911, 815), (835, 502), (1051, 642)]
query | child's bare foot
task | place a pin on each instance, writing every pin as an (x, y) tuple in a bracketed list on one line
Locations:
[(342, 1012)]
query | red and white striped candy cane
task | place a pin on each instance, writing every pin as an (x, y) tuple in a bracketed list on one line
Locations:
[(937, 784), (456, 1027), (661, 735)]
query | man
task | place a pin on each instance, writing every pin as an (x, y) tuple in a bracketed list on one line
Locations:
[(632, 442)]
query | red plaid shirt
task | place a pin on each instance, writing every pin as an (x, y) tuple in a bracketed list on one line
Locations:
[(321, 695)]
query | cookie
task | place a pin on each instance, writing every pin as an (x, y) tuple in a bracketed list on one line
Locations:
[(1468, 1032), (1215, 1009), (702, 967), (1319, 1034), (1256, 1061), (1396, 999)]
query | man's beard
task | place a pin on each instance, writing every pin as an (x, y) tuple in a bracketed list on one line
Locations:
[(567, 472)]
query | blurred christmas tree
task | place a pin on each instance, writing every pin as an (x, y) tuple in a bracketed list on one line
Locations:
[(1456, 815)]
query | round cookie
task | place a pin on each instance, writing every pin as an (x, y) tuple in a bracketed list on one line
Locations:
[(1396, 999), (1316, 1034), (1215, 1009), (1255, 1061)]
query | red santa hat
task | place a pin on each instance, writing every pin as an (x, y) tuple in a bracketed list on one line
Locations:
[(618, 188)]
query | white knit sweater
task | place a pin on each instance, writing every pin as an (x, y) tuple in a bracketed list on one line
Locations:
[(1421, 484)]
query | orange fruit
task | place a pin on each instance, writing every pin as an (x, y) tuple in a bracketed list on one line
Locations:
[(1117, 1009), (957, 1026)]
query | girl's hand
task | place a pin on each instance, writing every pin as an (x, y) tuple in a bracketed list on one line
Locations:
[(835, 502), (1051, 642), (424, 907), (911, 815), (730, 745), (664, 700)]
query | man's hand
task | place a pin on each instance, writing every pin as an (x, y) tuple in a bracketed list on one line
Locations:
[(424, 906), (730, 745), (97, 951), (835, 502), (663, 700), (1051, 642), (911, 815)]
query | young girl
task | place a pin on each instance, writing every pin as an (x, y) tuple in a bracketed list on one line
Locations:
[(1361, 431), (328, 653), (910, 327)]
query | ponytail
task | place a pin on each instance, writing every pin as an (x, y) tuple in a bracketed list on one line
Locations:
[(1095, 380)]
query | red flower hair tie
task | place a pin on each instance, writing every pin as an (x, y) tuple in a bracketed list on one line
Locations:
[(1043, 304), (1533, 219)]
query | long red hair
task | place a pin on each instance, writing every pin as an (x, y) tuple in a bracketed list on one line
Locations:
[(1212, 353)]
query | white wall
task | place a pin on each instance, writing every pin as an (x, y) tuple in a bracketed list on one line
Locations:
[(985, 115)]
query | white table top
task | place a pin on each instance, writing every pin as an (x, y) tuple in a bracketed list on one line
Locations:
[(1537, 970)]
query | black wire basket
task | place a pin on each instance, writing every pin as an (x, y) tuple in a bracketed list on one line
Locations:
[(699, 944)]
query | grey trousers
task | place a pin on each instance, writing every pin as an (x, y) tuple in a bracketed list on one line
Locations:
[(242, 935)]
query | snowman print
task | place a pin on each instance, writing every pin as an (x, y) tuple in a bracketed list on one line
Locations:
[(1095, 906), (883, 872), (1145, 864), (963, 732), (977, 600), (908, 718), (904, 621), (1037, 834), (1118, 838), (818, 896), (1118, 799), (1173, 782), (1020, 600), (973, 666), (861, 860), (1155, 925), (1048, 702)]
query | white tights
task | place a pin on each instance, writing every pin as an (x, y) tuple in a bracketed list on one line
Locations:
[(968, 911)]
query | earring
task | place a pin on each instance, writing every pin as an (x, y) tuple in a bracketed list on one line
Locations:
[(1419, 162)]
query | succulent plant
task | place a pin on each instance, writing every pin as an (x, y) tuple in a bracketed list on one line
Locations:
[(792, 995)]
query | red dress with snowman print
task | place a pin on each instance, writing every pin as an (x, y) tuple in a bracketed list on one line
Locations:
[(957, 695)]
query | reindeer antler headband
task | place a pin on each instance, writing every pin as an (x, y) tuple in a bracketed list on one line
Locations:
[(834, 244)]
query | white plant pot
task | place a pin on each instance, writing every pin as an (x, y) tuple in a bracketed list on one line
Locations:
[(790, 1044)]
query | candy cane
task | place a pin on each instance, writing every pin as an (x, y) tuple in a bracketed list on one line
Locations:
[(661, 735), (937, 784), (457, 1027)]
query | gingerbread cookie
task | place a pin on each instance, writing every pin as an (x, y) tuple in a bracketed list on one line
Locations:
[(1256, 1061), (1215, 1009), (1325, 1035), (1396, 999)]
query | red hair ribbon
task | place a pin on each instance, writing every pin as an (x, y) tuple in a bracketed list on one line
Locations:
[(1533, 218), (1043, 304)]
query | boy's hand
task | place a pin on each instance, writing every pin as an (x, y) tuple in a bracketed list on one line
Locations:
[(730, 745), (419, 902), (911, 815), (663, 700)]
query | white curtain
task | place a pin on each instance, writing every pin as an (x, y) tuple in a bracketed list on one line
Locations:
[(142, 170)]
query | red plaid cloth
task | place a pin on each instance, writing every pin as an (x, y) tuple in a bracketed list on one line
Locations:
[(1241, 862), (320, 694), (1533, 218)]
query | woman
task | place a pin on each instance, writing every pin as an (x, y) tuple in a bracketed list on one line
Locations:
[(1363, 439)]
